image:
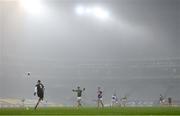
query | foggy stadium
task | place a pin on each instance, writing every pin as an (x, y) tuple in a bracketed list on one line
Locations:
[(127, 47)]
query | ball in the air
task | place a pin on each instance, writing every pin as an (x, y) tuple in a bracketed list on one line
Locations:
[(27, 108), (28, 73)]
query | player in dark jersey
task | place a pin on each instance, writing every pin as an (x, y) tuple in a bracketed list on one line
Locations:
[(79, 95), (99, 101), (39, 91), (170, 101)]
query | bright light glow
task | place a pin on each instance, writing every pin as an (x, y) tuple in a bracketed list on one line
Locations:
[(34, 7), (97, 12), (80, 10), (100, 13), (88, 10)]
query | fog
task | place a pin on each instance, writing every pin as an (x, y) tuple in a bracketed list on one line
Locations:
[(135, 51)]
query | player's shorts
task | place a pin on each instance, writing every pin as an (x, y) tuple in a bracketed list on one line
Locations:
[(78, 98), (113, 100), (40, 95), (100, 99), (162, 101), (124, 100)]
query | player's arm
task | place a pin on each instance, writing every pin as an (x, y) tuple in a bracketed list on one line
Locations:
[(74, 90), (43, 87), (35, 90)]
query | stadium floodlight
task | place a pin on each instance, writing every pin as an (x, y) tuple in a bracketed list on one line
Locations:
[(34, 7), (80, 10), (96, 11), (88, 10), (100, 13)]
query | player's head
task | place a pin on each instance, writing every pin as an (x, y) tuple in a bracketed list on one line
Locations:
[(78, 87), (99, 88), (39, 81)]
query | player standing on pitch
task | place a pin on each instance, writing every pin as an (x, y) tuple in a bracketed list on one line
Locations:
[(79, 95), (161, 99), (114, 100), (170, 101), (99, 101), (124, 101), (39, 90)]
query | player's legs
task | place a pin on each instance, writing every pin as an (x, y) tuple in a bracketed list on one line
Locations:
[(124, 103), (38, 103), (41, 96), (113, 102), (79, 101), (101, 103), (98, 103), (161, 102), (169, 101)]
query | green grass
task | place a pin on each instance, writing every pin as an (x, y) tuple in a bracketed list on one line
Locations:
[(93, 111), (88, 115)]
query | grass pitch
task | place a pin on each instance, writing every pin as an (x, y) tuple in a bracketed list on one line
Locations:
[(145, 111)]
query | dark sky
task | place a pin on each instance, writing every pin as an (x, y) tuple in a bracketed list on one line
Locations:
[(135, 51)]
